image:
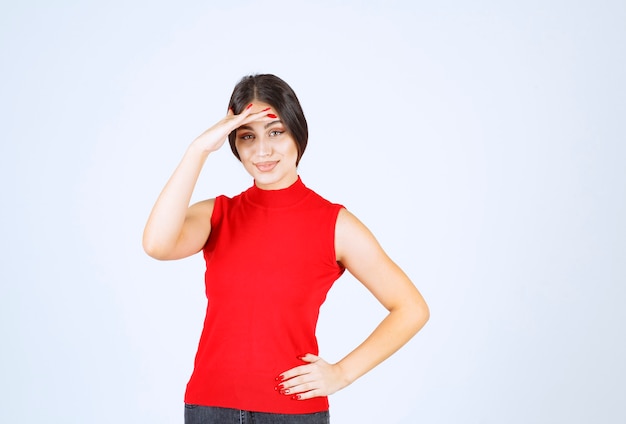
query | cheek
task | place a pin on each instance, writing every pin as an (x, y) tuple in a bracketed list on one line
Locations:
[(242, 150), (291, 148)]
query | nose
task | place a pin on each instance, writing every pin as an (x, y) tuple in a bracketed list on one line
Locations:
[(264, 147)]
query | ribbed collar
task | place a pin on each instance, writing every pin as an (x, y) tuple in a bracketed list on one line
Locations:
[(277, 198)]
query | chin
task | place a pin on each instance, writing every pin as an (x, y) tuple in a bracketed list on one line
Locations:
[(273, 182)]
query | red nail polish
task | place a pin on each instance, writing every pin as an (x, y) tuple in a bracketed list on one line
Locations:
[(279, 378), (266, 109), (249, 106), (271, 115), (295, 397)]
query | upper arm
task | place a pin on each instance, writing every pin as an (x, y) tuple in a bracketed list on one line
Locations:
[(195, 231), (358, 250)]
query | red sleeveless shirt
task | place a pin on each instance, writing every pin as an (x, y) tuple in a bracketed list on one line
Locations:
[(270, 261)]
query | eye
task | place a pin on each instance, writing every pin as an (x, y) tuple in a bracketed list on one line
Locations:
[(276, 133), (246, 137)]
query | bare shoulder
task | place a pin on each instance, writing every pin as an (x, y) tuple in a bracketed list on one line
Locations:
[(358, 250), (347, 223), (202, 208), (353, 240)]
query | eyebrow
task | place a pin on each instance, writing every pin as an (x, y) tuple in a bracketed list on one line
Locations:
[(269, 124)]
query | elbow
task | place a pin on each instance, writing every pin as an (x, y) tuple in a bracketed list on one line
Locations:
[(419, 314), (153, 248), (425, 313), (150, 249)]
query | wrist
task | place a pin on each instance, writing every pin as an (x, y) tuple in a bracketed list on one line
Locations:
[(195, 149), (345, 377)]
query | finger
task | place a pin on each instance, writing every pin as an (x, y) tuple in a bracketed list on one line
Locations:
[(296, 385), (295, 371), (262, 116), (303, 387), (231, 116), (310, 358), (295, 381), (248, 111), (244, 117), (307, 395)]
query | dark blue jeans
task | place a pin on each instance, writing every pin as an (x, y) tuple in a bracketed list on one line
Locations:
[(196, 414)]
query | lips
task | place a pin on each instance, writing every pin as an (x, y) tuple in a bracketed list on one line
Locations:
[(266, 166)]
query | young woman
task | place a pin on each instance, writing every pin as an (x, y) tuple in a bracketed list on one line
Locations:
[(272, 253)]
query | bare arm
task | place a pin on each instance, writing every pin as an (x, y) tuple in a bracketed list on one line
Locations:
[(361, 254), (174, 230), (365, 259)]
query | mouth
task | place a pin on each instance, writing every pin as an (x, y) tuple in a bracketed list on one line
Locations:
[(266, 166)]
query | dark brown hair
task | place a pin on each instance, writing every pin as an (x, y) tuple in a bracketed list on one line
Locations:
[(272, 90)]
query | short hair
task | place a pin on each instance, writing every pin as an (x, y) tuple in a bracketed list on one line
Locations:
[(272, 90)]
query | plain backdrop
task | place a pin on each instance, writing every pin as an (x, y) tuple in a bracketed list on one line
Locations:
[(482, 142)]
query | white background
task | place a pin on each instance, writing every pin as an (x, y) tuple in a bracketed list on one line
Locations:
[(482, 142)]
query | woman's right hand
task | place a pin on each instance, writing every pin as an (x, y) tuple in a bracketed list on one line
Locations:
[(213, 138), (175, 230)]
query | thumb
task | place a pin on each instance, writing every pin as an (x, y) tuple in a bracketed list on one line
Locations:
[(309, 357)]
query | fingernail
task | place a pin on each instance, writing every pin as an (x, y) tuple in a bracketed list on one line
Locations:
[(249, 106), (266, 109), (280, 378), (284, 392), (271, 115), (295, 397)]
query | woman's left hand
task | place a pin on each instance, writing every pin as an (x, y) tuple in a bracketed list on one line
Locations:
[(316, 378)]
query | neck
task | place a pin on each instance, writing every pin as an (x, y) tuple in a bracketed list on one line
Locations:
[(278, 198), (285, 182)]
